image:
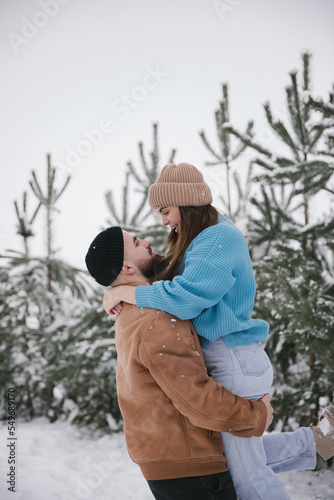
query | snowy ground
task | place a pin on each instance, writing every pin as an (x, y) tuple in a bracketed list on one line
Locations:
[(60, 462)]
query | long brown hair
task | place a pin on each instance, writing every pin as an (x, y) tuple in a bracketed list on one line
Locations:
[(193, 221)]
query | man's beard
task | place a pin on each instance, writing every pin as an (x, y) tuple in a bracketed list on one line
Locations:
[(148, 268)]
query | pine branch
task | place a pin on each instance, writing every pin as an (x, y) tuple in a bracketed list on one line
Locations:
[(111, 206), (317, 135), (50, 180), (142, 158), (155, 152), (326, 108), (264, 164), (22, 228), (144, 216), (226, 144), (248, 142), (281, 131), (142, 184), (226, 103), (62, 189), (327, 297), (213, 163), (125, 199), (238, 185), (301, 127), (24, 224), (35, 213), (134, 173), (219, 120), (140, 207), (291, 109), (172, 156), (249, 129), (306, 70), (243, 147), (284, 162), (223, 200), (223, 136), (326, 153), (206, 143), (306, 84), (36, 188)]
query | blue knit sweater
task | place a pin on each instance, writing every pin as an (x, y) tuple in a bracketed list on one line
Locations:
[(215, 288)]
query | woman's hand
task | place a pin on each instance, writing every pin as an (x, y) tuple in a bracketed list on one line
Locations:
[(111, 301), (113, 297), (117, 309)]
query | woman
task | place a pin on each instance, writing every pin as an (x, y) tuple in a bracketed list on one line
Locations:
[(207, 277)]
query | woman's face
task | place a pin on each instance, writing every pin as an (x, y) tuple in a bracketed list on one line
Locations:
[(170, 216)]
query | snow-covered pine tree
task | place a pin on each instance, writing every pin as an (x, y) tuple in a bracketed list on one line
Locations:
[(228, 156), (41, 289), (8, 324), (20, 354), (88, 371), (292, 245), (143, 221)]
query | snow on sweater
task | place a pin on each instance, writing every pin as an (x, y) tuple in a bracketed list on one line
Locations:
[(215, 288)]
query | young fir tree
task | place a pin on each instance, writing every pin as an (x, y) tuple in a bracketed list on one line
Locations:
[(77, 341), (88, 369), (20, 357), (7, 322), (227, 156), (143, 221), (41, 291), (292, 245)]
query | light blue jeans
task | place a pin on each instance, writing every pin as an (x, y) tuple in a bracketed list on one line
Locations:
[(253, 462)]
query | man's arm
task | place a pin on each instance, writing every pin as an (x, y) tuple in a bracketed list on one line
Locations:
[(171, 351)]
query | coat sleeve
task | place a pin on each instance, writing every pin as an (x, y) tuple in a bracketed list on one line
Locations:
[(171, 351)]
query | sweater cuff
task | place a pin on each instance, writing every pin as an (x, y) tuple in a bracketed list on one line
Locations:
[(142, 296)]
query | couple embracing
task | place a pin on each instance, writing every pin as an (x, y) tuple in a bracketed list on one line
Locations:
[(192, 376)]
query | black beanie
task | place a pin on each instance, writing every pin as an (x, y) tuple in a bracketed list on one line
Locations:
[(104, 259)]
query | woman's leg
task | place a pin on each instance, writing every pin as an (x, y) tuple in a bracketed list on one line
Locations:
[(252, 478), (287, 451), (247, 372)]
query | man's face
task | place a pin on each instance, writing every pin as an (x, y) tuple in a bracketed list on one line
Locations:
[(139, 254)]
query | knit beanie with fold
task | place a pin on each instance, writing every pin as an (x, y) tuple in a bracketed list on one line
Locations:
[(104, 259), (180, 185)]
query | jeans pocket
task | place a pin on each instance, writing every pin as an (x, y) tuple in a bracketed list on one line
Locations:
[(213, 481), (219, 485), (252, 359)]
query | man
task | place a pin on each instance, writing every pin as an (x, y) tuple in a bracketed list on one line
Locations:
[(172, 410)]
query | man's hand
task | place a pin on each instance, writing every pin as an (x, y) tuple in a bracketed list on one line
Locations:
[(270, 410), (111, 301)]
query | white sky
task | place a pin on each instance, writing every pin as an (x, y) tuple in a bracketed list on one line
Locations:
[(68, 75)]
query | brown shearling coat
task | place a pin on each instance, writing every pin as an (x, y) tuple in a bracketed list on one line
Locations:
[(172, 410)]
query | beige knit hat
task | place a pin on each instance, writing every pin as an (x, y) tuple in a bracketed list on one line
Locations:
[(179, 185)]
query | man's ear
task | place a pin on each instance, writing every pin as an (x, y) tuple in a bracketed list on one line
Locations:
[(127, 269)]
